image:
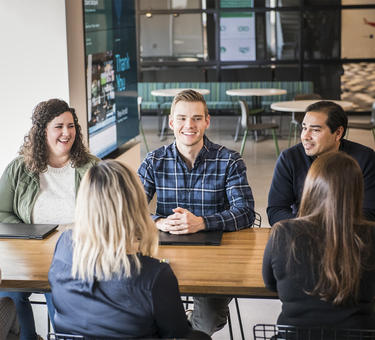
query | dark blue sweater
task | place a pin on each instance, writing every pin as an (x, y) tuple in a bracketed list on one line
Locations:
[(144, 305), (290, 172)]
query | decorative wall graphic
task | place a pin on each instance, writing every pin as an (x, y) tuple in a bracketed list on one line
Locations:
[(358, 85), (358, 33), (111, 74), (237, 32), (368, 22)]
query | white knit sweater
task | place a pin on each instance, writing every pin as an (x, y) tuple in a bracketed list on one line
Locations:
[(56, 199)]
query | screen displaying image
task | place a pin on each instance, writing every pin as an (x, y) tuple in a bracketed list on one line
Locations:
[(111, 70)]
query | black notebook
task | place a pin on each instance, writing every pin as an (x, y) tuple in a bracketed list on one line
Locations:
[(26, 231), (208, 238)]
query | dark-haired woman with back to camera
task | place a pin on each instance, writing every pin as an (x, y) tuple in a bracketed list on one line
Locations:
[(40, 185), (322, 264), (105, 282)]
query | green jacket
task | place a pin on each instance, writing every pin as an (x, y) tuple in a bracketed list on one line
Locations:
[(19, 188)]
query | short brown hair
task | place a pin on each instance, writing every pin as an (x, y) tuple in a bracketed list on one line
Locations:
[(336, 116), (189, 96)]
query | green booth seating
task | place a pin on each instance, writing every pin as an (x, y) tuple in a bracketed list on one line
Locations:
[(218, 100)]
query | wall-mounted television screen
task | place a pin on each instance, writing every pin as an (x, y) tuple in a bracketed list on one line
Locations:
[(111, 74)]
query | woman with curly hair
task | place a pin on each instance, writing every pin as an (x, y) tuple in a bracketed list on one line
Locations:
[(40, 185)]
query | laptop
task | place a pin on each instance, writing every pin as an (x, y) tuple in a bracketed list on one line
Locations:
[(205, 238), (26, 231)]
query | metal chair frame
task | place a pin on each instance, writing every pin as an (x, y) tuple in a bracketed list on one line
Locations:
[(365, 126), (60, 336), (187, 300), (274, 332), (254, 126)]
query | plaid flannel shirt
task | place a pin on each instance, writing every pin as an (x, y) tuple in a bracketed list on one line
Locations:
[(216, 188)]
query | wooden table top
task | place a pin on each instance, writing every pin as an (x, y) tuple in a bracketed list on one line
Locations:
[(301, 105), (174, 92), (234, 268), (255, 92)]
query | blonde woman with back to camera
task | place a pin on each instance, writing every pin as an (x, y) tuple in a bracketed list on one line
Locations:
[(105, 282), (322, 263)]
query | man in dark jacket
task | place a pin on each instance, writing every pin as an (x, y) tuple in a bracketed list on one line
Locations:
[(323, 129)]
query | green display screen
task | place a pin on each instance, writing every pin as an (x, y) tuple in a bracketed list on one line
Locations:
[(111, 74)]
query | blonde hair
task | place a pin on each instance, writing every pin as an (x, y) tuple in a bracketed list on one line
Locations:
[(189, 96), (112, 223)]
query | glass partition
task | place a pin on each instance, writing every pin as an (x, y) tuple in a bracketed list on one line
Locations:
[(172, 36)]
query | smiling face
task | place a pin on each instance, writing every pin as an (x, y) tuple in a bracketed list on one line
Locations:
[(316, 135), (60, 134), (189, 124)]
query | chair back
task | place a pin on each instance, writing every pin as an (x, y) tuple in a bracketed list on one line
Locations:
[(139, 103), (372, 120), (244, 113), (257, 220), (274, 332)]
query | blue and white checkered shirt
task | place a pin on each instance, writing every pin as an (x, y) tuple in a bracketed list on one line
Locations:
[(216, 188)]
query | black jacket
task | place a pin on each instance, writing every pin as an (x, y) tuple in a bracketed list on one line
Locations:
[(294, 281), (290, 172), (144, 305)]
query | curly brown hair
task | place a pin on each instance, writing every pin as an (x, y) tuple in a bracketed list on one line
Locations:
[(35, 150)]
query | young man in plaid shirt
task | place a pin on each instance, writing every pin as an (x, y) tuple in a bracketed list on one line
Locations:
[(199, 186)]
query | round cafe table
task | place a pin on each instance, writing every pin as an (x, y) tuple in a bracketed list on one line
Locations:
[(294, 106), (301, 105), (255, 92), (170, 93), (256, 95)]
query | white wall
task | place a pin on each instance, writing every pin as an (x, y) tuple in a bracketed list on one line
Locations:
[(33, 65)]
